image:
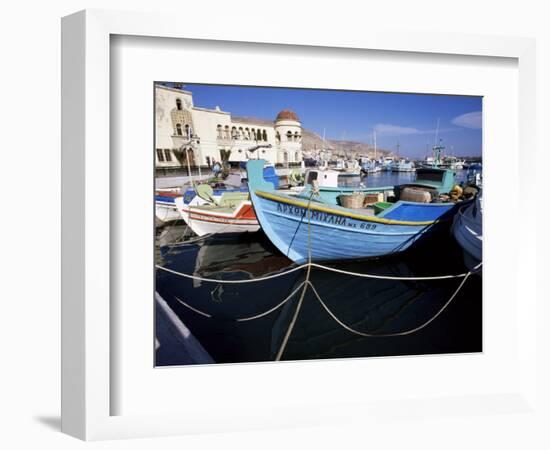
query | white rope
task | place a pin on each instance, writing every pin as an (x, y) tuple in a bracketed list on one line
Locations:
[(401, 333), (244, 319), (306, 283), (319, 266), (215, 280), (198, 311), (390, 277), (269, 311)]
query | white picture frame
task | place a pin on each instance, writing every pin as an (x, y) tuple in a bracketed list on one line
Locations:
[(87, 385)]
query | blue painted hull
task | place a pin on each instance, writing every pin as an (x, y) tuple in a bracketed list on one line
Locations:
[(333, 236), (298, 226)]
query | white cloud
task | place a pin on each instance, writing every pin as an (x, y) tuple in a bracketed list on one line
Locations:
[(386, 129), (468, 120)]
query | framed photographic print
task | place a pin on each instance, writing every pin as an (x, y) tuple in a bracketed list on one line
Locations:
[(250, 221), (381, 213)]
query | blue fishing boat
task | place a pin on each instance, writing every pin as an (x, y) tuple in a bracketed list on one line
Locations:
[(299, 226)]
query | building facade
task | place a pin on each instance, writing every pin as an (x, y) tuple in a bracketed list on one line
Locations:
[(188, 134)]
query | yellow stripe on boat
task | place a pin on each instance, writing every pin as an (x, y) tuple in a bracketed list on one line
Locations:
[(344, 213)]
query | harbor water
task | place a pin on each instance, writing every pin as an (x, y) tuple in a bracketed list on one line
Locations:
[(374, 306)]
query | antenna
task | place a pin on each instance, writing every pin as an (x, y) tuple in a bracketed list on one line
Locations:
[(436, 131)]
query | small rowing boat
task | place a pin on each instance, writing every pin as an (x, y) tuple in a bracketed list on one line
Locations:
[(231, 212)]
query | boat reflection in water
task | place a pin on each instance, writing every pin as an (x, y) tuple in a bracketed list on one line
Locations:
[(369, 305)]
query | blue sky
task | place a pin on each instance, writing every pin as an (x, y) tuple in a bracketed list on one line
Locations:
[(409, 119)]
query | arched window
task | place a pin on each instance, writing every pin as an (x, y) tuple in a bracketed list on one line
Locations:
[(178, 129), (227, 132), (220, 132), (259, 135), (278, 137), (246, 133), (240, 133), (187, 132), (264, 135), (178, 104), (296, 136), (233, 133), (289, 135), (252, 133)]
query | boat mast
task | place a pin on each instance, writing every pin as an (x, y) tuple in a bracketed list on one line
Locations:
[(374, 136), (437, 148)]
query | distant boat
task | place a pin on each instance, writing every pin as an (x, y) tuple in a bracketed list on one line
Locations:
[(370, 166), (387, 163), (474, 174), (403, 165), (326, 182), (349, 168), (468, 231), (297, 226), (232, 212)]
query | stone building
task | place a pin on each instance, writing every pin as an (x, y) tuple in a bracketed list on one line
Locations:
[(184, 132)]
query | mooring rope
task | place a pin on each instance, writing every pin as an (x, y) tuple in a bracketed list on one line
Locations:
[(244, 319), (399, 333), (215, 280), (307, 283), (392, 277), (319, 266)]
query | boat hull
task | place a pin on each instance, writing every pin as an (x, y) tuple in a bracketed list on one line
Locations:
[(331, 234), (304, 228), (468, 232), (203, 220), (165, 208)]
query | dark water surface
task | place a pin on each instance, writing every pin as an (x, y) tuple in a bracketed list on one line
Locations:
[(368, 305)]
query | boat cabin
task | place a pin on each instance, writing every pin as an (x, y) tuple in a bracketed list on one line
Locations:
[(325, 178), (442, 180)]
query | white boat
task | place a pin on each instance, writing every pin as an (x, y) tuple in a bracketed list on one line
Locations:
[(403, 165), (165, 206), (468, 231), (350, 168), (232, 212), (387, 163), (452, 162)]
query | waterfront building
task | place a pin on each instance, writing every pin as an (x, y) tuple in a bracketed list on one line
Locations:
[(185, 132)]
